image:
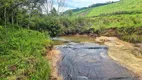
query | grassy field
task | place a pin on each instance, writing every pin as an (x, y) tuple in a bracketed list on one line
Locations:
[(118, 21), (82, 12), (125, 13), (22, 54), (123, 5)]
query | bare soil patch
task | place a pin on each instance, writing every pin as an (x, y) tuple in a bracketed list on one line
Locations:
[(125, 53)]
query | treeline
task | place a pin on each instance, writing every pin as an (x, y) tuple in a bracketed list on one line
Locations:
[(39, 15), (19, 11), (100, 4), (24, 12)]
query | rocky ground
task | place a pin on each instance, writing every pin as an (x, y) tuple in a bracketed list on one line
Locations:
[(121, 55)]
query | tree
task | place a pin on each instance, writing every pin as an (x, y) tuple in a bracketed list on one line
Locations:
[(48, 6), (70, 13), (54, 12)]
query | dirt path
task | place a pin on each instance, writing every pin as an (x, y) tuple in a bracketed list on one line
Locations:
[(53, 58)]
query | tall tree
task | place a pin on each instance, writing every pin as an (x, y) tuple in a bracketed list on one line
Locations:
[(54, 12)]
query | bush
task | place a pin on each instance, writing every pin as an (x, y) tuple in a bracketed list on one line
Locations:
[(132, 38), (59, 25)]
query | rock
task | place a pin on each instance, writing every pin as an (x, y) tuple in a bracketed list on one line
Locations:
[(104, 39), (82, 78)]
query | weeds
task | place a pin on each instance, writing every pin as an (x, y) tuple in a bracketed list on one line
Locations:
[(21, 54)]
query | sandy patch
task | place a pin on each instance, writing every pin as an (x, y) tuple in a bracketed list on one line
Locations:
[(53, 58), (123, 52)]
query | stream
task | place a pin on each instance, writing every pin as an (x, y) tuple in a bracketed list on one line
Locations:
[(89, 61)]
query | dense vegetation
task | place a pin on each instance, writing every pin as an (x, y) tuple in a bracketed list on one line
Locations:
[(21, 54), (22, 50), (24, 37)]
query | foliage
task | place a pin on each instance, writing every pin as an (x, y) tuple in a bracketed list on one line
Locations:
[(54, 12), (74, 25), (21, 54), (60, 25), (69, 13)]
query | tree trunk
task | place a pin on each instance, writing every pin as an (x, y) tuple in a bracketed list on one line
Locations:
[(47, 6), (12, 17), (29, 20), (5, 20), (5, 17)]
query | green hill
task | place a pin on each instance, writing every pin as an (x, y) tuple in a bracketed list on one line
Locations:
[(124, 16), (123, 6), (125, 13)]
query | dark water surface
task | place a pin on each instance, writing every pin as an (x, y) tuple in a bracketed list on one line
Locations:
[(90, 61)]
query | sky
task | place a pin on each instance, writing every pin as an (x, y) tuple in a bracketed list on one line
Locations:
[(72, 4)]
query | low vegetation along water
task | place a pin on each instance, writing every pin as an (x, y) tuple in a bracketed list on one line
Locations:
[(89, 61)]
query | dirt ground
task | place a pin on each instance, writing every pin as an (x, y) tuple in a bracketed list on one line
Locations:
[(124, 53), (53, 58)]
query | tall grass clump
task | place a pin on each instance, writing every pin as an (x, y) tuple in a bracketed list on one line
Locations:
[(22, 54)]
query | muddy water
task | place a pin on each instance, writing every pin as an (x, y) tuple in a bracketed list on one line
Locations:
[(89, 61)]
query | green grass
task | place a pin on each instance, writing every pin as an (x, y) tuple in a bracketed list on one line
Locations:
[(123, 5), (82, 12), (125, 13), (126, 27), (22, 54), (117, 21)]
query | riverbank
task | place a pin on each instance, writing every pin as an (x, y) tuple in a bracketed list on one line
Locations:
[(54, 57), (124, 53)]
